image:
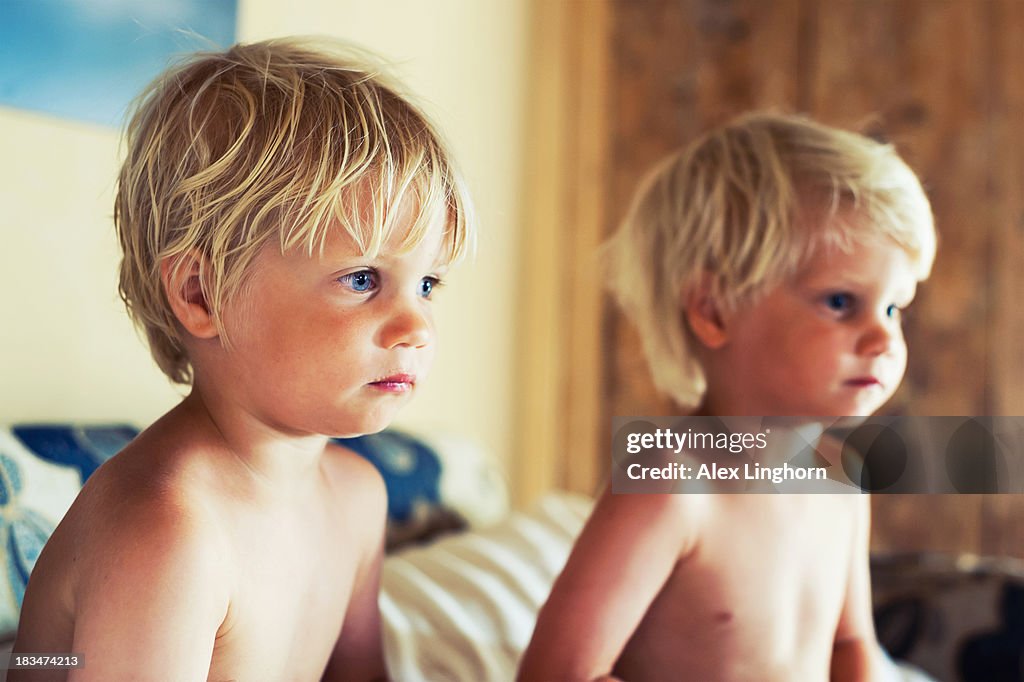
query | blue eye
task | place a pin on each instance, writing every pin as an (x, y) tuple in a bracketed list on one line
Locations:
[(427, 286), (840, 303), (893, 312), (360, 282)]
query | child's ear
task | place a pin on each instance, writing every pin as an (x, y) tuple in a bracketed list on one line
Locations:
[(184, 290), (704, 315)]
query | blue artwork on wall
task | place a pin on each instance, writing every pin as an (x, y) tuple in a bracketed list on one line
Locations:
[(87, 59)]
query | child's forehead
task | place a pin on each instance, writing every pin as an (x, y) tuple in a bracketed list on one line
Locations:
[(836, 237), (855, 262), (339, 243)]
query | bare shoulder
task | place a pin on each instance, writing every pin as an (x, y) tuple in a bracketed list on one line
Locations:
[(137, 518), (622, 559), (669, 522), (146, 570), (355, 477), (359, 497), (136, 526)]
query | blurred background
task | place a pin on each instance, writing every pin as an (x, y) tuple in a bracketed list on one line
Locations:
[(555, 108)]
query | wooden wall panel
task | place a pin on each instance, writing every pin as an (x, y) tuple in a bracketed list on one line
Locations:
[(1002, 520), (678, 69), (886, 65), (562, 363), (585, 432), (891, 61), (1006, 194), (650, 112), (541, 362)]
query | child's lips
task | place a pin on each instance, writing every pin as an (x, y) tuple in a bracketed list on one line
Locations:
[(395, 383), (864, 382)]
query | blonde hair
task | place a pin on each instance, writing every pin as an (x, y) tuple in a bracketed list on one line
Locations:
[(278, 140), (741, 209)]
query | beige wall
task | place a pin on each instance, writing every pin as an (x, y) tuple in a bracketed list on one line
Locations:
[(67, 350)]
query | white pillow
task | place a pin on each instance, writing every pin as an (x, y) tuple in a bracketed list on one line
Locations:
[(464, 607)]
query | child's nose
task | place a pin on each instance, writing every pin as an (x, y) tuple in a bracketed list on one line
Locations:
[(879, 337), (408, 325)]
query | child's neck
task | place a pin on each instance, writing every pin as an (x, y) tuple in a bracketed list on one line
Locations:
[(792, 436), (279, 460)]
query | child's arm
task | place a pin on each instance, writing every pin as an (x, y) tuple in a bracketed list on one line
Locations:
[(623, 557), (856, 654), (359, 652), (148, 604)]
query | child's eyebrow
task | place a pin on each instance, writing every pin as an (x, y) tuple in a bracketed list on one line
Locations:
[(341, 262), (440, 266), (833, 280), (822, 281)]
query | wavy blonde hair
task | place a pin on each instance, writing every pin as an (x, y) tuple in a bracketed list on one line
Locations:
[(741, 209), (277, 141)]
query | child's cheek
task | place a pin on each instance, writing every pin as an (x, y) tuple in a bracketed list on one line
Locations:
[(901, 362), (427, 358)]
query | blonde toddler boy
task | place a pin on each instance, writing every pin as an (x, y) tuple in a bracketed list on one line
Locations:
[(766, 266), (285, 215)]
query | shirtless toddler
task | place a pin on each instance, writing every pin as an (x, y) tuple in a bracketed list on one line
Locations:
[(284, 215), (766, 266)]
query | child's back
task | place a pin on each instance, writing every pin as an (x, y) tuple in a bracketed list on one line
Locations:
[(284, 216), (766, 267)]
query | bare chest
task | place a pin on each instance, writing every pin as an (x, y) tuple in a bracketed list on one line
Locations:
[(758, 599), (293, 586)]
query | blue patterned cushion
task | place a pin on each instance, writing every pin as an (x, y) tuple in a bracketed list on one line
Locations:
[(411, 470), (412, 475), (42, 469), (81, 447)]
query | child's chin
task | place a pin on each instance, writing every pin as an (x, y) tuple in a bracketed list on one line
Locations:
[(837, 410), (365, 425), (863, 409)]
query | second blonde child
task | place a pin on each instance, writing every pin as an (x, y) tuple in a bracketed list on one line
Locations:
[(766, 267)]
